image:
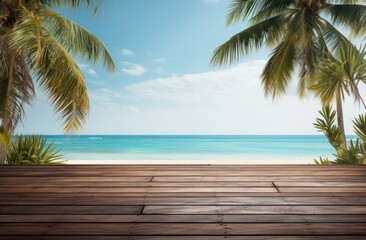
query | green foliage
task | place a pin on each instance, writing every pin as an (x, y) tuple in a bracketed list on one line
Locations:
[(340, 75), (322, 161), (327, 126), (298, 31), (5, 138), (37, 44), (360, 127), (355, 153), (32, 150)]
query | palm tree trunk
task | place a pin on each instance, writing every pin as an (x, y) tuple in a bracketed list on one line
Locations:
[(340, 118), (4, 126), (2, 154)]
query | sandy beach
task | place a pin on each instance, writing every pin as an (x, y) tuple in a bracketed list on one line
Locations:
[(193, 161)]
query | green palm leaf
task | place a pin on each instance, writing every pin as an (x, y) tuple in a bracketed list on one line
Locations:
[(39, 41), (360, 127), (252, 37), (277, 72), (77, 40), (55, 69), (312, 35), (350, 15)]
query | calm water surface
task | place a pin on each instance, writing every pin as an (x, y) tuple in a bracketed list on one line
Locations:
[(192, 147)]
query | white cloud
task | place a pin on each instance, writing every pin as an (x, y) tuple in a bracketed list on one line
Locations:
[(210, 1), (229, 101), (126, 52), (98, 83), (132, 109), (87, 68), (207, 88), (160, 70), (83, 65), (133, 69), (160, 60), (110, 100), (91, 71)]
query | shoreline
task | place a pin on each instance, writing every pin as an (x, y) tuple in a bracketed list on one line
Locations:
[(191, 161)]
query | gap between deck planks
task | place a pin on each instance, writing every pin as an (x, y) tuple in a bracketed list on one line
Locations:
[(182, 201)]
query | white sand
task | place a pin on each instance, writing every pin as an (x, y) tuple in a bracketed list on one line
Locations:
[(238, 161)]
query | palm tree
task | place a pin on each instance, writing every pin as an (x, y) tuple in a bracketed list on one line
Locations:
[(299, 30), (37, 44), (340, 75)]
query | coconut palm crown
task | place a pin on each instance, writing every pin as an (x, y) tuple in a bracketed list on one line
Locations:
[(37, 44), (300, 31), (339, 75)]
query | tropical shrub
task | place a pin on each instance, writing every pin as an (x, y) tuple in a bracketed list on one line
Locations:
[(355, 152), (29, 149), (339, 75)]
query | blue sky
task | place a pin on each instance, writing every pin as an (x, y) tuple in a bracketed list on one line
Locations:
[(164, 84)]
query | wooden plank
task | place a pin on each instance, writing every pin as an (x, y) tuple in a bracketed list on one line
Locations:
[(254, 210), (173, 201), (113, 229), (215, 218), (183, 237), (74, 173), (22, 179), (258, 178), (39, 210), (134, 189), (57, 184), (186, 194), (178, 200), (322, 189), (321, 184)]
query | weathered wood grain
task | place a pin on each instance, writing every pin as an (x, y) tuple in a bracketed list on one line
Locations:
[(260, 202)]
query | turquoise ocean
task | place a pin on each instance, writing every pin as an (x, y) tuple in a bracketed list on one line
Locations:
[(192, 147)]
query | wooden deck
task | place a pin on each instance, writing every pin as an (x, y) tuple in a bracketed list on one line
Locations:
[(182, 202)]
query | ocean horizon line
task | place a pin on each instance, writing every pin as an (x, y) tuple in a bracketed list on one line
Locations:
[(240, 135)]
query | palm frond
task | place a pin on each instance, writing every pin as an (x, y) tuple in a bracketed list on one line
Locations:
[(350, 155), (64, 84), (55, 69), (95, 4), (16, 87), (334, 37), (32, 150), (271, 8), (360, 127), (328, 81), (349, 15), (331, 131), (322, 161), (240, 9), (278, 70), (77, 40), (5, 138), (252, 37), (302, 84)]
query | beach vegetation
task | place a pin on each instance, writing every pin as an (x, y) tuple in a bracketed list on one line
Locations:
[(337, 76), (355, 152), (29, 149), (300, 32), (38, 45)]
